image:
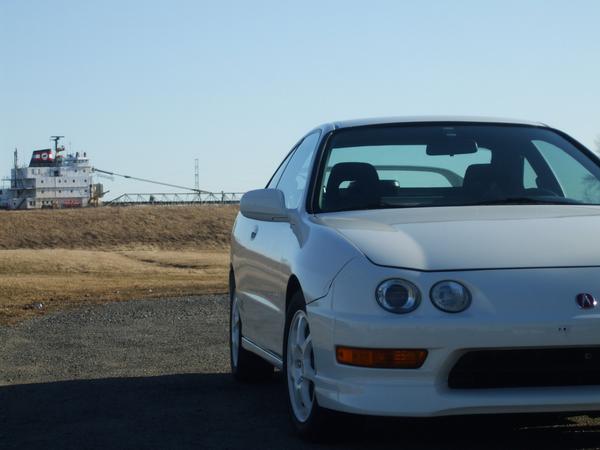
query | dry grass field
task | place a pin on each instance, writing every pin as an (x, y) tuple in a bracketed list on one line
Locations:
[(57, 259)]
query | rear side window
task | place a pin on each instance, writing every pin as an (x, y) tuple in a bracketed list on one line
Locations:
[(294, 179), (529, 176), (574, 178)]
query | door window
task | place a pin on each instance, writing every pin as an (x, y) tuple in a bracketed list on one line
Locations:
[(277, 175), (295, 176)]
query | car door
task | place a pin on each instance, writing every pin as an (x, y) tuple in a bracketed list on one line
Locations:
[(263, 272)]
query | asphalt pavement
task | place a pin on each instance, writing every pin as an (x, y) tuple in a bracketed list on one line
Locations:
[(154, 374)]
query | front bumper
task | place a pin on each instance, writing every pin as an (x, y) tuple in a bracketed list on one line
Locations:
[(531, 308)]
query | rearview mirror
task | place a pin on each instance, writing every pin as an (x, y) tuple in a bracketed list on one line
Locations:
[(264, 204), (451, 145)]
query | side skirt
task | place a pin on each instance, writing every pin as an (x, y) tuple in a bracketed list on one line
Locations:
[(264, 354)]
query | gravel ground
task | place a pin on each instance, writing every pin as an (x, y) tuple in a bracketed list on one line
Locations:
[(153, 374)]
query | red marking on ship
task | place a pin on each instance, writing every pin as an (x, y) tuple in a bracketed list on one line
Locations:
[(42, 157)]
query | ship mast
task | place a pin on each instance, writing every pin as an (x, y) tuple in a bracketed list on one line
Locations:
[(56, 139)]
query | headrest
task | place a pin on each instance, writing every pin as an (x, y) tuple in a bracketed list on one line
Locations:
[(478, 174), (363, 191), (352, 171)]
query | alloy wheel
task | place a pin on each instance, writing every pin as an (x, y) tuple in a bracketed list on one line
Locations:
[(300, 367)]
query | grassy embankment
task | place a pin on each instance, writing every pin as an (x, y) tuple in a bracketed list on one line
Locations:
[(71, 257)]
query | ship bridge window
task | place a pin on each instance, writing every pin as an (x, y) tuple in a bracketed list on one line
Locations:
[(73, 181)]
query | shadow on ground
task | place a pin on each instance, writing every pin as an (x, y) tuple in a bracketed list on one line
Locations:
[(211, 411)]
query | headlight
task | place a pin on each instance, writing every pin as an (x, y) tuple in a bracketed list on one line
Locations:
[(450, 296), (398, 296)]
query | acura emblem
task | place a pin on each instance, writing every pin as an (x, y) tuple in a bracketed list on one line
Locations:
[(586, 301)]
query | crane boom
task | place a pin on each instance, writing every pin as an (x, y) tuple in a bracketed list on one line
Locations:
[(145, 180)]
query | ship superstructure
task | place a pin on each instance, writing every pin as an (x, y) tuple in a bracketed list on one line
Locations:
[(52, 180)]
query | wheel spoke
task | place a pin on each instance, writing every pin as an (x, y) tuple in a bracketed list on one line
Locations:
[(296, 352), (309, 373), (298, 392), (306, 345), (305, 394), (300, 331)]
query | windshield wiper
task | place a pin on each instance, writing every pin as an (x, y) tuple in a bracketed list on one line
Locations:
[(524, 201)]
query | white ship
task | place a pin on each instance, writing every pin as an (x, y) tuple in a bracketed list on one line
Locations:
[(51, 180)]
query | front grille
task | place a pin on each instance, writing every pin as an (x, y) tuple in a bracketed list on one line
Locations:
[(487, 369)]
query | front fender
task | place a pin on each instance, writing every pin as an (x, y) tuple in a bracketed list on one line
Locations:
[(323, 253)]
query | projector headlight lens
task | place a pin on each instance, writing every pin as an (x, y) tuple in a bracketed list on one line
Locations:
[(450, 296), (398, 296)]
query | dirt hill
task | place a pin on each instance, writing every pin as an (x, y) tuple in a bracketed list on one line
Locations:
[(165, 227)]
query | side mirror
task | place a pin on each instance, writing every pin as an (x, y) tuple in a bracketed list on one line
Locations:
[(264, 204)]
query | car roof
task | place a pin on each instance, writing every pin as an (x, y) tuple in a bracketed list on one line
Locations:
[(428, 119)]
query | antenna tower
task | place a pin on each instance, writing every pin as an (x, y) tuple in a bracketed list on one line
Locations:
[(196, 174), (15, 174)]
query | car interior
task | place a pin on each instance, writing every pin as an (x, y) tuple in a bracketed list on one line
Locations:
[(357, 185)]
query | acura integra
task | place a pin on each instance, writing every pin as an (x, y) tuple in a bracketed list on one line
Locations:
[(422, 267)]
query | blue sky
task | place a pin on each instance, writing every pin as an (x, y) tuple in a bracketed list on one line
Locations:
[(145, 87)]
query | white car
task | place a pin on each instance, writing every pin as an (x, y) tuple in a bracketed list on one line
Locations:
[(422, 267)]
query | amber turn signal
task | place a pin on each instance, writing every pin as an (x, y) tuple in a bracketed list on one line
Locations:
[(381, 358)]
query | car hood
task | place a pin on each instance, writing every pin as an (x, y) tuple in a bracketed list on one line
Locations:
[(474, 237)]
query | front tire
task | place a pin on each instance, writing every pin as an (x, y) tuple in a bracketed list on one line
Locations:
[(310, 420), (245, 365)]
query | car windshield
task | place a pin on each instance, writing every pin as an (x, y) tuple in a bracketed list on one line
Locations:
[(453, 165)]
